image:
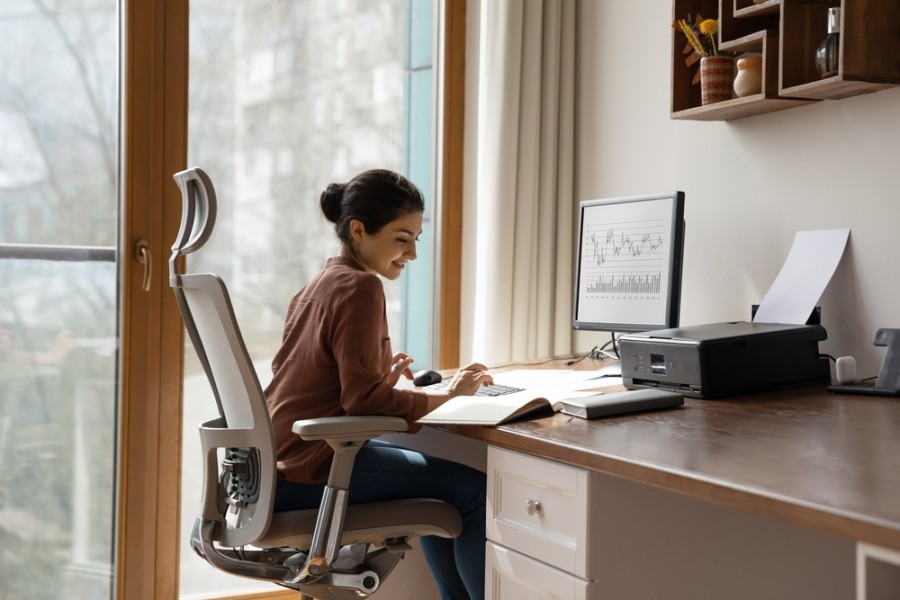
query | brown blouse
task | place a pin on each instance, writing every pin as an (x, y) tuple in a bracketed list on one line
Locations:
[(334, 357)]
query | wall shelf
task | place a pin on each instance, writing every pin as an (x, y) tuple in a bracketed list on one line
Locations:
[(786, 34)]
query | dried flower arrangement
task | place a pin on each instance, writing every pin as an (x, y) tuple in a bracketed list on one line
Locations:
[(701, 40)]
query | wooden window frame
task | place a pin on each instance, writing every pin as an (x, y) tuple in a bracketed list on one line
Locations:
[(453, 72), (154, 44)]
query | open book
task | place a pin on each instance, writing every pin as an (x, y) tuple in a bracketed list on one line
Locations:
[(496, 410)]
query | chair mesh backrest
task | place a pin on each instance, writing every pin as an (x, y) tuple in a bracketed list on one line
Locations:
[(241, 435)]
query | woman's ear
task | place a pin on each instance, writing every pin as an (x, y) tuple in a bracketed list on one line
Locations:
[(357, 229)]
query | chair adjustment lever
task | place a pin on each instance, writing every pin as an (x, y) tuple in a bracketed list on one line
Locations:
[(365, 582)]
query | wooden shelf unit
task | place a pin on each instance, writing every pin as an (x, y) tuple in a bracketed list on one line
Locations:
[(786, 34)]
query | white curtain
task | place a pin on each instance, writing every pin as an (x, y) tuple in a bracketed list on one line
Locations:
[(525, 171)]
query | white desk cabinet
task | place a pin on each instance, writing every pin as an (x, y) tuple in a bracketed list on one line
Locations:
[(557, 531), (538, 519), (877, 573)]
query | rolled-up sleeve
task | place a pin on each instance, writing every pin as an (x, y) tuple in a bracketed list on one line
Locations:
[(334, 358), (362, 349)]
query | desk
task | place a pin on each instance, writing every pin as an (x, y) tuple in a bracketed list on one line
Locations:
[(814, 463)]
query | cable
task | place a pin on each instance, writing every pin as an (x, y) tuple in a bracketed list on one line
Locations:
[(524, 363), (599, 352)]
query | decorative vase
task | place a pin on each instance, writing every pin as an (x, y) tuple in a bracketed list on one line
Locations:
[(716, 78), (828, 54), (748, 80)]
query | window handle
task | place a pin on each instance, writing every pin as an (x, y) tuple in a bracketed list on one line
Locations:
[(142, 254)]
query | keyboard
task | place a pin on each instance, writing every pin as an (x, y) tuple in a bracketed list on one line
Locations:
[(495, 389)]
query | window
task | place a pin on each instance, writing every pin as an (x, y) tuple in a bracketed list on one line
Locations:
[(59, 221)]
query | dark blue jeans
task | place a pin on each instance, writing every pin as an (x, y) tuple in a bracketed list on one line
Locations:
[(386, 472)]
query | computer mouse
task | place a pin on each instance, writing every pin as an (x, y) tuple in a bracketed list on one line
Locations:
[(427, 377)]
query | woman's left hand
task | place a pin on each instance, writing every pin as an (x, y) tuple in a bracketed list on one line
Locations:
[(399, 366)]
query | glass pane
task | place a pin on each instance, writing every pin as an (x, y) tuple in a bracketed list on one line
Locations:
[(58, 324), (286, 97)]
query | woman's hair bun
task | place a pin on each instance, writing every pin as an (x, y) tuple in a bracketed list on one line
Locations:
[(330, 201)]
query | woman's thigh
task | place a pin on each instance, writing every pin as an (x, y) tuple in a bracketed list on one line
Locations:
[(386, 472)]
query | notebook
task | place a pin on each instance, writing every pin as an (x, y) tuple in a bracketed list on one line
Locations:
[(620, 403)]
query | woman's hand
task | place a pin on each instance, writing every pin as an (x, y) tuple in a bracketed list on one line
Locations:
[(399, 367), (464, 382), (467, 380)]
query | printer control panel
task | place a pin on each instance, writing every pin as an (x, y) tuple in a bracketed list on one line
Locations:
[(646, 364)]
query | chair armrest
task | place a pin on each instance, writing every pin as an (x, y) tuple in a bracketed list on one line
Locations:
[(346, 435), (348, 427)]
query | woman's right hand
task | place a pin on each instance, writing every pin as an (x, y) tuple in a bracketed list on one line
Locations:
[(464, 382), (467, 380)]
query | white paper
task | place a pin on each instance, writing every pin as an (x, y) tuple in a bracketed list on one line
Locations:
[(811, 263), (533, 378), (563, 380)]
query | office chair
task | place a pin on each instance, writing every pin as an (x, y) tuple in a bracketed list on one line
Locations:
[(335, 551)]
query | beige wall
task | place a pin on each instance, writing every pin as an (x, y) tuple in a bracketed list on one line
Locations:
[(750, 184)]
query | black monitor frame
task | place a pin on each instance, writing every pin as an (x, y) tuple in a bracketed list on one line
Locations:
[(643, 288)]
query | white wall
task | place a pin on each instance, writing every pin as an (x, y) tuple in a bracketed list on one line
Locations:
[(750, 183)]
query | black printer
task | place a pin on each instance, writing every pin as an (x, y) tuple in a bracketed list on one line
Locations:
[(724, 359)]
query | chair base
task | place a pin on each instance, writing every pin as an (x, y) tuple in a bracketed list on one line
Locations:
[(362, 568)]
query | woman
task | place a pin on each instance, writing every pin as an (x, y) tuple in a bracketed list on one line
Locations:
[(336, 359)]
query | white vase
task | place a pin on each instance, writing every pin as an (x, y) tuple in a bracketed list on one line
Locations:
[(748, 80)]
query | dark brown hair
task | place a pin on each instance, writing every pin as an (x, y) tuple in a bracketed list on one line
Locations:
[(375, 198)]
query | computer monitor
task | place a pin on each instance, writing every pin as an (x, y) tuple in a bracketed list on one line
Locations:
[(628, 271)]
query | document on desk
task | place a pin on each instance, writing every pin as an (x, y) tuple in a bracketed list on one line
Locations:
[(567, 379), (544, 392), (810, 264), (496, 410)]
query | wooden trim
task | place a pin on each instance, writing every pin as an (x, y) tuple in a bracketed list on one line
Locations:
[(154, 146), (451, 156), (276, 595)]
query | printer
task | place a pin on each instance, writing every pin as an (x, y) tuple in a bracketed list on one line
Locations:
[(724, 359)]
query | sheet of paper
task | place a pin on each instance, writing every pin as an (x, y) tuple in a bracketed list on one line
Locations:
[(810, 264), (555, 381), (532, 378)]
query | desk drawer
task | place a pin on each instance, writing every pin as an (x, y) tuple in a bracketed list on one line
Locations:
[(540, 508), (512, 576)]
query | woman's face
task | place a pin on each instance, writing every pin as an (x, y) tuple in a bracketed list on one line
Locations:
[(385, 253)]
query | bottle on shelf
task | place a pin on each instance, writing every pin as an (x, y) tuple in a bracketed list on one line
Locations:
[(828, 52)]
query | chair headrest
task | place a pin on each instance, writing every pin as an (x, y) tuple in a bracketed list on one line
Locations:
[(198, 214)]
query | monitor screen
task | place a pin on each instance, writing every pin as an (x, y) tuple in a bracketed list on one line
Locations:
[(628, 266)]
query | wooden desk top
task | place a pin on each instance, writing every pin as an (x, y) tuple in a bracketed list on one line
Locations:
[(820, 460)]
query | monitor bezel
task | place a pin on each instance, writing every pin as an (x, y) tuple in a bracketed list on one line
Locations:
[(673, 267)]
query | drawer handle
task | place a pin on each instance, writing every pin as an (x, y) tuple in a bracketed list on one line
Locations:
[(533, 506)]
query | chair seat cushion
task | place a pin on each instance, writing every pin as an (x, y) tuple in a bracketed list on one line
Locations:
[(371, 522)]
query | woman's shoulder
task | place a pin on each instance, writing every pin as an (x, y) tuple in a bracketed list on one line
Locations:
[(345, 273)]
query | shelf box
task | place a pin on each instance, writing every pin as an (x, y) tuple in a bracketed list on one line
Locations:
[(786, 33), (748, 8), (869, 48), (768, 100), (737, 108), (833, 88)]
